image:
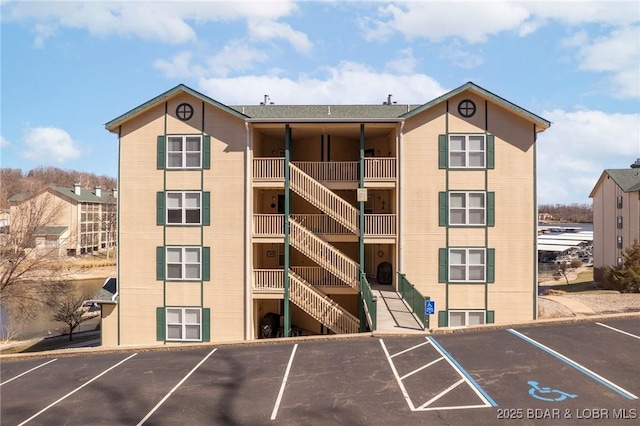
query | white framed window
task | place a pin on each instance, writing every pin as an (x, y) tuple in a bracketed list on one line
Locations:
[(467, 151), (184, 324), (184, 263), (467, 264), (184, 151), (467, 208), (184, 208), (466, 318)]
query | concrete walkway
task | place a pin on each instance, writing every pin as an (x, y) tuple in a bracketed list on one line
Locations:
[(393, 313), (579, 309)]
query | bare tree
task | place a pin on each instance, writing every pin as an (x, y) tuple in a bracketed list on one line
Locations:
[(30, 271), (68, 307)]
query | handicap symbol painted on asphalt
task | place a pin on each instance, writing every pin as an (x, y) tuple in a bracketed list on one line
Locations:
[(538, 392)]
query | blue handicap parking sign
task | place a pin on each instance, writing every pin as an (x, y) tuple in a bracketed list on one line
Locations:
[(429, 307)]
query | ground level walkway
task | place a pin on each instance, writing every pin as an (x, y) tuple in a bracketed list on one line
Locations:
[(393, 313)]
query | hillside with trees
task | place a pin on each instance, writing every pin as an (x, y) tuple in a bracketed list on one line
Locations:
[(569, 213), (15, 181)]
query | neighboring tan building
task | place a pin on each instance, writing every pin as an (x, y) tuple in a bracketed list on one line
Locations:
[(616, 217), (229, 213), (71, 221)]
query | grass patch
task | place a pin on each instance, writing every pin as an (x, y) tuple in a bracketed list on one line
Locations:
[(49, 344)]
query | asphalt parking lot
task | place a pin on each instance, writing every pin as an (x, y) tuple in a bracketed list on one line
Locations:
[(578, 373)]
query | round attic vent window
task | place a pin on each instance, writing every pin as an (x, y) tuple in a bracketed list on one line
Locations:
[(184, 111), (467, 108)]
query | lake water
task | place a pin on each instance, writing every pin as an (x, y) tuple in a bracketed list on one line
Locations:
[(42, 325)]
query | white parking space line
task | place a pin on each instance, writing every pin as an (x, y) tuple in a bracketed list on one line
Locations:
[(284, 383), (584, 370), (619, 331), (77, 389), (153, 410), (421, 368), (398, 379), (411, 348), (464, 377), (28, 371)]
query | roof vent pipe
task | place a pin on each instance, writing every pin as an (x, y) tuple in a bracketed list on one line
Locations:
[(636, 165), (267, 100), (389, 102)]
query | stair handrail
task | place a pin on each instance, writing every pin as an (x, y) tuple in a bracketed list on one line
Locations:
[(323, 198), (369, 300), (324, 254), (414, 299), (321, 307)]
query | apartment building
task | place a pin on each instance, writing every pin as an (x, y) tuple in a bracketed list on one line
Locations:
[(230, 213), (616, 217), (71, 220)]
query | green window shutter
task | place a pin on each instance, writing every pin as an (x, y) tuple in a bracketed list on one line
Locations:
[(443, 209), (442, 265), (491, 158), (206, 263), (491, 209), (206, 152), (162, 152), (442, 151), (160, 263), (491, 265), (206, 208), (160, 324), (442, 319), (206, 324), (491, 317), (160, 209)]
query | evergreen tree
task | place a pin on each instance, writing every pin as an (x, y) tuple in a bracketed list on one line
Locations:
[(626, 276)]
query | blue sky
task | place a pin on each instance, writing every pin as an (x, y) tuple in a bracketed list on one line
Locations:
[(70, 67)]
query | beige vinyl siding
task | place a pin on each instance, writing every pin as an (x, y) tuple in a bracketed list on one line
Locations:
[(183, 293), (421, 181), (514, 235), (139, 181), (224, 294), (466, 296), (109, 325)]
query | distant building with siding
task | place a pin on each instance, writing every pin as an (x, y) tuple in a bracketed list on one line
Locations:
[(616, 216)]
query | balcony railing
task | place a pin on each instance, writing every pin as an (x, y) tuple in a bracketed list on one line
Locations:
[(380, 168), (272, 225), (317, 276), (268, 225), (330, 171), (375, 168), (271, 168), (268, 279), (379, 225), (321, 224)]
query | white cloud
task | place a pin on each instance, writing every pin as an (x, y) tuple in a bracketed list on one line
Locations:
[(348, 82), (263, 30), (618, 53), (576, 149), (49, 144), (4, 142), (435, 21), (405, 63), (165, 21)]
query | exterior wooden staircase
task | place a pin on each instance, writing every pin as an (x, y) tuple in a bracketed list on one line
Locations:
[(321, 307), (324, 254), (323, 198)]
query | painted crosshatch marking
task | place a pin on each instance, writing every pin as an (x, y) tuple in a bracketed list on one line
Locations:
[(184, 111), (467, 108)]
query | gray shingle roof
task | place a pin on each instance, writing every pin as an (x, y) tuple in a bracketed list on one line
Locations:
[(324, 111), (86, 195), (396, 112), (627, 179), (51, 230)]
